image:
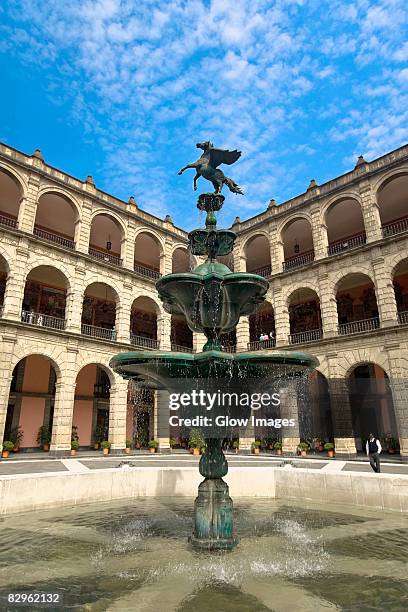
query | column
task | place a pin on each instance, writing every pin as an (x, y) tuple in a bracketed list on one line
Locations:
[(117, 415), (166, 260), (198, 342), (289, 410), (281, 318), (6, 359), (246, 437), (82, 243), (163, 331), (28, 205), (64, 404), (328, 306), (277, 252), (387, 306), (371, 213), (122, 322), (161, 421), (13, 297), (128, 249), (344, 440), (319, 233), (75, 299), (242, 331), (399, 389)]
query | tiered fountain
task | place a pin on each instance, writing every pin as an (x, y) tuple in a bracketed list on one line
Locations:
[(212, 298)]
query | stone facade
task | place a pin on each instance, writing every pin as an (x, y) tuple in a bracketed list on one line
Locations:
[(69, 350)]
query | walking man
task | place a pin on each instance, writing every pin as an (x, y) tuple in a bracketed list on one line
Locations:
[(373, 448)]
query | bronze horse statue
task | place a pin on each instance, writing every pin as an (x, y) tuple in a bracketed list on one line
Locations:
[(206, 167)]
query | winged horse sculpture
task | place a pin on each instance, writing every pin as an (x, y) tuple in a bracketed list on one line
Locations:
[(207, 167)]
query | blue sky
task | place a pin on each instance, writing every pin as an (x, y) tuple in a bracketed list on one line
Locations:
[(123, 89)]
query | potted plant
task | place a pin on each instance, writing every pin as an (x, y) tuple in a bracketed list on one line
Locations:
[(320, 445), (153, 446), (44, 437), (128, 446), (303, 447), (8, 446), (235, 445), (195, 441), (329, 447), (256, 447), (278, 447), (172, 443), (105, 445), (98, 436), (74, 447), (392, 445), (16, 435)]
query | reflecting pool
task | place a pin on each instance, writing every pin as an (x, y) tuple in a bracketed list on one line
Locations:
[(134, 555)]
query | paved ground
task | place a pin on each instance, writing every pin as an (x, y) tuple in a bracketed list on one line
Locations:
[(30, 467), (385, 468)]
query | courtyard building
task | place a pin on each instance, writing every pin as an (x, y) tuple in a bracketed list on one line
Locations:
[(78, 269)]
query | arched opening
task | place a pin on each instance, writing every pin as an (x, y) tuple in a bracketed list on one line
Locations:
[(105, 241), (99, 311), (140, 416), (400, 281), (258, 255), (227, 260), (10, 196), (44, 299), (304, 316), (55, 220), (262, 333), (180, 261), (90, 421), (297, 243), (229, 342), (357, 308), (371, 404), (3, 281), (143, 323), (345, 226), (319, 408), (392, 199), (31, 400), (147, 255), (181, 335)]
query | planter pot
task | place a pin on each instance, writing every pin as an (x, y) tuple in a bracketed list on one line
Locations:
[(236, 451), (278, 451), (256, 451), (303, 453), (330, 454), (127, 450), (391, 451), (152, 450), (321, 448), (73, 452), (96, 446), (5, 454), (106, 451), (46, 448), (196, 451)]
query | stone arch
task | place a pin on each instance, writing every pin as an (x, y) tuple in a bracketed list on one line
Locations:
[(112, 284), (289, 220), (84, 360), (113, 215), (154, 234), (392, 199), (53, 356), (345, 195), (148, 253), (296, 237), (64, 193), (299, 287), (344, 223), (180, 259), (40, 262), (337, 277), (13, 190), (388, 176), (257, 252)]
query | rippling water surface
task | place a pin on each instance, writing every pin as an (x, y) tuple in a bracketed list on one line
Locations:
[(134, 555)]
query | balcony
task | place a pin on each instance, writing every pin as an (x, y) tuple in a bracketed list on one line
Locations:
[(142, 342), (396, 227), (179, 348), (346, 244), (146, 272), (403, 317), (42, 320), (8, 221), (56, 238), (358, 327), (105, 256), (261, 345), (98, 332), (312, 335), (230, 348), (265, 271), (298, 261)]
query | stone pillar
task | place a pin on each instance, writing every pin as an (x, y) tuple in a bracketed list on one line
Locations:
[(123, 311), (128, 247), (387, 305), (117, 415), (166, 259), (82, 244), (277, 252), (28, 204), (246, 437), (64, 404), (282, 325), (164, 331), (371, 213), (7, 345), (161, 420), (328, 306), (75, 299), (344, 440), (242, 331), (319, 233), (399, 389), (289, 410), (239, 258), (13, 297), (198, 342)]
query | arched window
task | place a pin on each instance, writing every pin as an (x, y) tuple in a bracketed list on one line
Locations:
[(345, 226), (44, 299), (147, 255), (99, 312), (258, 256), (105, 242), (143, 323), (304, 316), (356, 304), (297, 243), (55, 220)]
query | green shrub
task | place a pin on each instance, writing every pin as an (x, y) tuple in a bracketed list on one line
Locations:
[(105, 444), (329, 446), (303, 446), (98, 433), (16, 435), (128, 443), (173, 442), (74, 444), (8, 445), (277, 446), (44, 435), (74, 433), (256, 444), (153, 444), (235, 444), (195, 439)]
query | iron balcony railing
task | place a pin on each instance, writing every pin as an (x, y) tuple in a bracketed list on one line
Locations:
[(229, 348), (312, 335), (9, 221), (260, 345), (143, 342), (346, 244), (358, 327), (42, 320), (403, 317), (397, 227), (265, 271), (64, 242), (98, 332), (104, 256), (298, 261), (179, 348), (146, 272)]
